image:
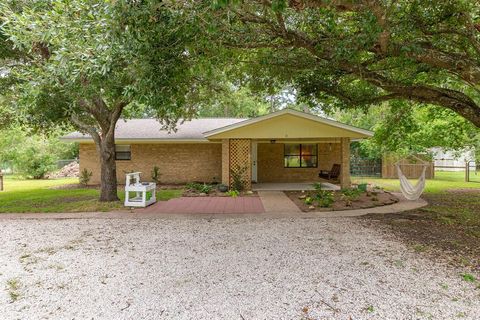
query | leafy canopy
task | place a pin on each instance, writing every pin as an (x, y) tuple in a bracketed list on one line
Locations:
[(346, 54), (89, 55), (404, 128)]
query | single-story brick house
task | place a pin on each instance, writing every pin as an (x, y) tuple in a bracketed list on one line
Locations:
[(283, 146)]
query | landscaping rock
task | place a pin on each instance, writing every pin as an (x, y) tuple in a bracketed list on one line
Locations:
[(208, 268), (71, 170)]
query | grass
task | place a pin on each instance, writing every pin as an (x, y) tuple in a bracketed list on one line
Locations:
[(468, 277), (450, 224), (13, 287), (23, 195), (443, 181), (452, 200)]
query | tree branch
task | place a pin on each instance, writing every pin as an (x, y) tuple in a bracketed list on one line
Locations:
[(117, 111), (86, 129)]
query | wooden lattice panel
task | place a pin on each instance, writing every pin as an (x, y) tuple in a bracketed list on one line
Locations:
[(240, 161)]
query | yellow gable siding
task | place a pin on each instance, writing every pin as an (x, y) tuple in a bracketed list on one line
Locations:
[(287, 126)]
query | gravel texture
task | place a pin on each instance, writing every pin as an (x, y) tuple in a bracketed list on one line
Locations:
[(226, 268)]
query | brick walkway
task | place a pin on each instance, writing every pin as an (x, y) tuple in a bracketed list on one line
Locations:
[(207, 205)]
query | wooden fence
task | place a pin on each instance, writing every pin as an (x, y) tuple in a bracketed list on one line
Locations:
[(411, 169)]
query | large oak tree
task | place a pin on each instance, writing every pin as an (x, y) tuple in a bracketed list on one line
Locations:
[(91, 62), (359, 53)]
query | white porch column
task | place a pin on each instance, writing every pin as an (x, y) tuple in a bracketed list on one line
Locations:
[(345, 181)]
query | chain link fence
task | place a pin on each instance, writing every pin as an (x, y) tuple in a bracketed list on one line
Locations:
[(361, 167)]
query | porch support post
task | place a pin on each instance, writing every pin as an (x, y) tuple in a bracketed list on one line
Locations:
[(240, 161), (345, 181), (226, 162)]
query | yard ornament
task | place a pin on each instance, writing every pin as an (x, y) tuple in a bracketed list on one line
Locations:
[(408, 190)]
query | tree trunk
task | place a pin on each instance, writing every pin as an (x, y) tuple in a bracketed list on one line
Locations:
[(104, 136), (108, 167)]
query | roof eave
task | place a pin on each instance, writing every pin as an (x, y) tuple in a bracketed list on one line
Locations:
[(334, 123), (177, 140)]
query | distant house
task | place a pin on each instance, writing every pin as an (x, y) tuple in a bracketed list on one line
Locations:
[(284, 146), (449, 160)]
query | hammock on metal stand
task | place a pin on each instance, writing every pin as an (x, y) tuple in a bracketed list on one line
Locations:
[(409, 191)]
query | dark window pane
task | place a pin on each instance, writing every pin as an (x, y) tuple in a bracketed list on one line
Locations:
[(309, 161), (122, 155), (292, 149), (123, 152), (309, 149), (300, 155), (292, 161)]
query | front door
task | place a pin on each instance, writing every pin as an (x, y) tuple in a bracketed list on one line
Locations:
[(254, 161)]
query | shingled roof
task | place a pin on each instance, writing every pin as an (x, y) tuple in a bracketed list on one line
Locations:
[(151, 129), (198, 130)]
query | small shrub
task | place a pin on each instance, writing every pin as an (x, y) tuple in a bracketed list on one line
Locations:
[(156, 174), (233, 193), (317, 186), (191, 186), (351, 194), (206, 188), (84, 177), (362, 187), (308, 201), (324, 198), (237, 177), (199, 187)]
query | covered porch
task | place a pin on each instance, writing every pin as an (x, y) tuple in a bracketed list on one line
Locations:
[(286, 149)]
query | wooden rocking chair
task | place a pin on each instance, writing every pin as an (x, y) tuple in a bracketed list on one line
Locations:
[(332, 174)]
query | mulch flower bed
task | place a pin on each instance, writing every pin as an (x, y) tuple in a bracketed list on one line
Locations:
[(196, 189), (340, 202), (216, 193)]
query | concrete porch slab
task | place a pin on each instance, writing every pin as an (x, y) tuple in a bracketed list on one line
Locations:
[(295, 186)]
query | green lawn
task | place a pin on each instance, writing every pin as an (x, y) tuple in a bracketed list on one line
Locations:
[(452, 201), (443, 181), (22, 195), (449, 226)]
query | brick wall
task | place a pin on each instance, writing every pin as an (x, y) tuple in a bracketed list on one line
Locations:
[(271, 163), (178, 163)]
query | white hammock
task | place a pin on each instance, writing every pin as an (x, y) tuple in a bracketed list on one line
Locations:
[(411, 192)]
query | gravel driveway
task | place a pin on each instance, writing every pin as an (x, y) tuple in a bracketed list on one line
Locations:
[(227, 268)]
